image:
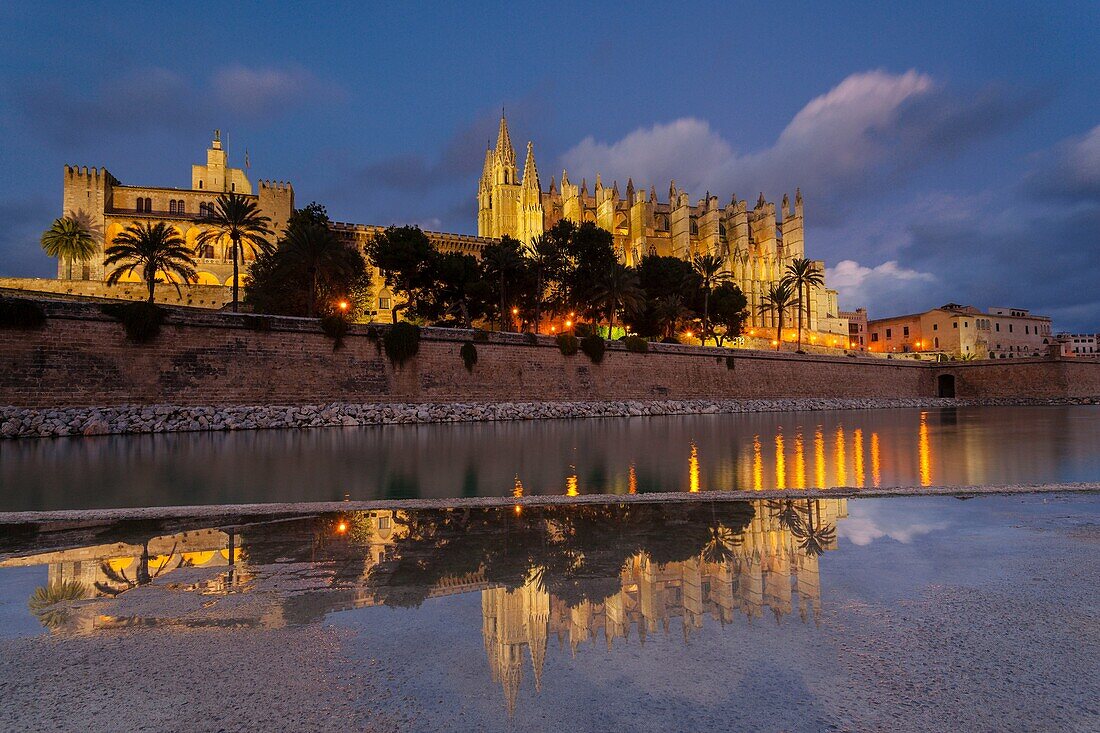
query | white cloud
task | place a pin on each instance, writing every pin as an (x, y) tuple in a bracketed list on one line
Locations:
[(1071, 169), (857, 285), (864, 527), (262, 91)]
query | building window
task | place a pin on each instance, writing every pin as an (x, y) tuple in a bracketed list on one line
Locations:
[(936, 342), (905, 330), (232, 186), (954, 324), (888, 334), (1010, 328), (874, 336), (200, 185), (1027, 330), (384, 304), (935, 327), (172, 206), (383, 523), (997, 327), (180, 208)]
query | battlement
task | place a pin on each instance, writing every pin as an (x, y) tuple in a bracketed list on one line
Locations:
[(371, 229), (76, 171), (276, 185)]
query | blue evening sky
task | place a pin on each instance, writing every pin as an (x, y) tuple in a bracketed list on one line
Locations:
[(946, 151)]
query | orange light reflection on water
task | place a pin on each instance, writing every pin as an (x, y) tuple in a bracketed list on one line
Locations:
[(876, 476), (757, 464), (819, 458), (857, 455), (693, 470), (780, 462), (924, 451)]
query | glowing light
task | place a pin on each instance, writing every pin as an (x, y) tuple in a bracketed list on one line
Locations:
[(875, 475), (342, 527), (515, 311), (688, 334), (780, 463), (343, 304), (799, 461), (571, 485), (752, 331), (518, 509), (813, 339), (924, 451), (775, 343), (757, 464), (819, 457), (857, 453), (568, 324), (632, 481), (693, 470), (517, 487), (553, 329), (841, 463)]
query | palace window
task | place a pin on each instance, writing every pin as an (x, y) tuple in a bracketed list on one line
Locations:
[(888, 333), (383, 523), (180, 208), (172, 206), (200, 185), (935, 327), (384, 304), (874, 336), (1010, 328), (905, 330), (936, 342)]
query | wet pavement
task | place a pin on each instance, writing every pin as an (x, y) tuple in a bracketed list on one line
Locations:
[(919, 613)]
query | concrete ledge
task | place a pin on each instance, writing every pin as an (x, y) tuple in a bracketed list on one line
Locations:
[(231, 513)]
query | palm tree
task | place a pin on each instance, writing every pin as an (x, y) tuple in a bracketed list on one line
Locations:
[(547, 261), (73, 238), (803, 274), (154, 249), (777, 300), (814, 538), (709, 269), (668, 312), (617, 289), (503, 261), (237, 217), (316, 249)]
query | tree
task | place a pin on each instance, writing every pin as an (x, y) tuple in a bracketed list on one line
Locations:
[(662, 278), (503, 262), (777, 300), (590, 254), (238, 218), (728, 305), (309, 271), (461, 292), (316, 250), (709, 269), (153, 249), (406, 258), (668, 313), (802, 274), (617, 289), (547, 266), (73, 238)]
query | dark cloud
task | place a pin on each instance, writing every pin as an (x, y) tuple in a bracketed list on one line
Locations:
[(151, 99), (1070, 171)]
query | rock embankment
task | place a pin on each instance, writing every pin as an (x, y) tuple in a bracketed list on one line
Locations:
[(18, 422)]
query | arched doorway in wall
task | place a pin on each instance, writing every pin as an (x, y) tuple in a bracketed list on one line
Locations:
[(945, 385)]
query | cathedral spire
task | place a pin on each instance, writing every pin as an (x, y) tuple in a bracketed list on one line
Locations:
[(487, 169), (530, 172), (505, 152)]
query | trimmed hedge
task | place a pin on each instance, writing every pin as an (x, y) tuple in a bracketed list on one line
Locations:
[(468, 352), (636, 344), (401, 342), (594, 346), (568, 344), (25, 315), (141, 320)]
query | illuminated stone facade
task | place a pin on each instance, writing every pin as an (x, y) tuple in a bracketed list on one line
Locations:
[(756, 243), (112, 206)]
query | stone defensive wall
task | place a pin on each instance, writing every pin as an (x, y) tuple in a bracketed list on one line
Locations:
[(265, 371)]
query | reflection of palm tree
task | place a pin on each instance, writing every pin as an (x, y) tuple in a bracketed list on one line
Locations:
[(120, 582), (813, 539), (787, 514), (43, 602)]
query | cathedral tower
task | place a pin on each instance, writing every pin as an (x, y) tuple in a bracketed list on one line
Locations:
[(508, 205)]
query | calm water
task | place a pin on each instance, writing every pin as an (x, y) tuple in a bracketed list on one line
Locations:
[(803, 615), (616, 456)]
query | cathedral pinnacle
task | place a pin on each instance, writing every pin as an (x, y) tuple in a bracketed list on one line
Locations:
[(505, 152), (530, 172)]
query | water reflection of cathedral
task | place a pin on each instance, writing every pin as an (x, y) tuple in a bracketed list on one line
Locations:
[(677, 565)]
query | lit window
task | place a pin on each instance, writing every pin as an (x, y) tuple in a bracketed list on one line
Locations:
[(384, 523), (384, 304)]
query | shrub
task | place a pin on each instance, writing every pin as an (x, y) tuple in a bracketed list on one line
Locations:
[(568, 344), (468, 352), (401, 342), (729, 362), (481, 336), (141, 320), (636, 344), (22, 314), (594, 346), (531, 338), (335, 327), (584, 329), (670, 340)]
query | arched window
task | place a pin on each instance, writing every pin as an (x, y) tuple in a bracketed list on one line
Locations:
[(180, 208), (200, 185), (172, 206), (694, 225), (148, 204)]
